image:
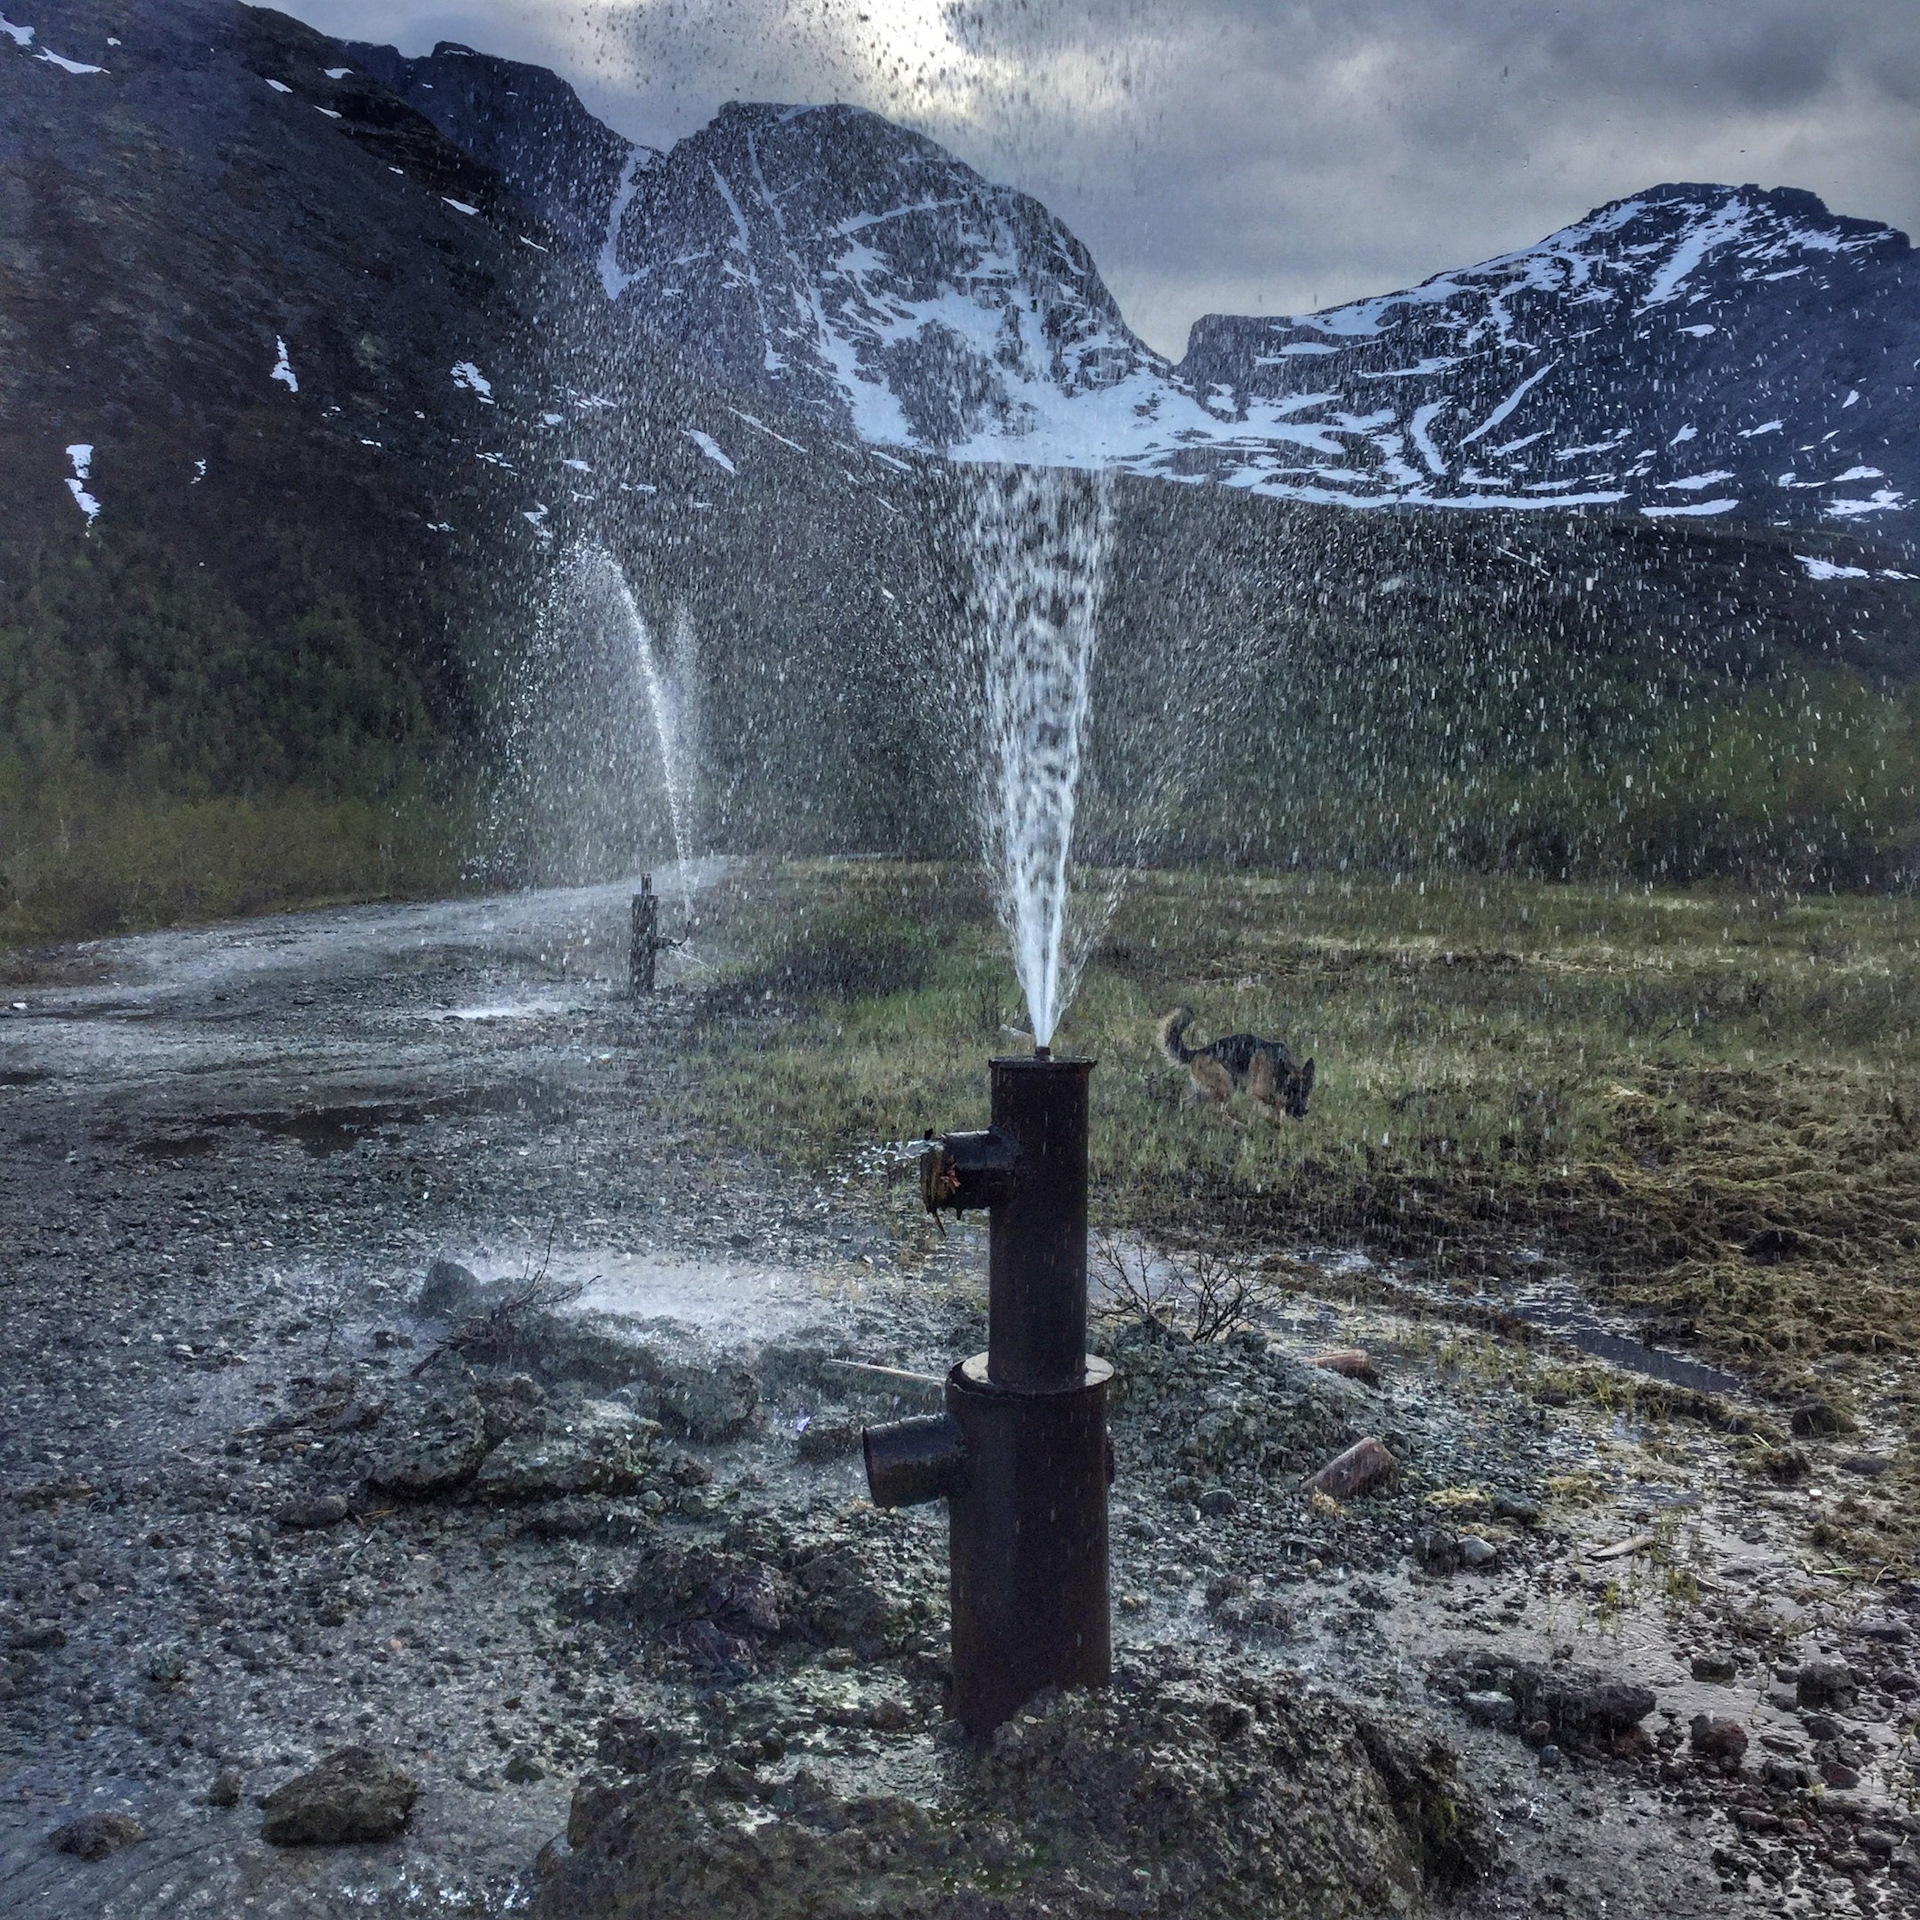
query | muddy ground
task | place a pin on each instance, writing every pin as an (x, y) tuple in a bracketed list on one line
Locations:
[(592, 1516)]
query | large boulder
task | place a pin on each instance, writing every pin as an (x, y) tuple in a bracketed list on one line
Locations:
[(354, 1794)]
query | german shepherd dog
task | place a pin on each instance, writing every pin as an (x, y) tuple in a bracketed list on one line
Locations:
[(1264, 1070)]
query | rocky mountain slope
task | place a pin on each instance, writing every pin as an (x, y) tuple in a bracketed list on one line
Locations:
[(1692, 351)]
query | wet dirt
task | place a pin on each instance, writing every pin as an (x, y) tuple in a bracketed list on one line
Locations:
[(260, 1501)]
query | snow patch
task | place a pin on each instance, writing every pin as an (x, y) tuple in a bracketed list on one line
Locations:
[(1818, 569), (336, 73), (20, 36), (466, 375), (283, 367), (81, 454), (1768, 426), (459, 206), (709, 446), (1883, 500), (279, 86), (65, 65), (1695, 482), (1699, 507)]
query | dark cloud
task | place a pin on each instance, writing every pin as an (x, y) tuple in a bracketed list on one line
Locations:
[(1272, 155)]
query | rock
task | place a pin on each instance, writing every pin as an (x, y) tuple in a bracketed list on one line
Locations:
[(1821, 1726), (312, 1512), (39, 1636), (437, 1446), (709, 1404), (1714, 1737), (354, 1794), (1841, 1778), (1788, 1775), (1869, 1466), (605, 1449), (1876, 1841), (1217, 1503), (1824, 1683), (1537, 1733), (225, 1790), (1715, 1667), (448, 1291), (95, 1835), (828, 1436), (564, 1520), (1550, 1756), (1475, 1552), (514, 1406), (1511, 1507), (1437, 1550), (1350, 1363), (1492, 1709), (1364, 1466), (1584, 1708)]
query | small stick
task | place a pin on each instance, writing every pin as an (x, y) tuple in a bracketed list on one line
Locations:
[(891, 1373)]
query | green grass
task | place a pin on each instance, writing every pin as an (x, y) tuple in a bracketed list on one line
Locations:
[(87, 861), (1707, 1103)]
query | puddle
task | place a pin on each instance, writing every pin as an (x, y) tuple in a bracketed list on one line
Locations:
[(1568, 1316), (25, 1076)]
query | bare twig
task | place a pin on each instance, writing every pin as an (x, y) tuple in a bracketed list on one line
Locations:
[(492, 1332), (1205, 1297)]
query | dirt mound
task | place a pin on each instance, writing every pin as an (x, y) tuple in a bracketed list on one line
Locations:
[(1198, 1787)]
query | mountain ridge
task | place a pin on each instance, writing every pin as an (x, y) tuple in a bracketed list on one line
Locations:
[(828, 258)]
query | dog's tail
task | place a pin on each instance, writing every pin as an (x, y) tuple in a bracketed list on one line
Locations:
[(1172, 1028)]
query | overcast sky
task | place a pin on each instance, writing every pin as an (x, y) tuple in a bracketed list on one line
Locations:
[(1270, 156)]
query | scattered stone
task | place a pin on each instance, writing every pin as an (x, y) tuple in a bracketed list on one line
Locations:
[(1717, 1668), (1821, 1726), (1511, 1507), (1789, 1775), (1714, 1737), (95, 1835), (354, 1794), (1437, 1550), (1876, 1841), (1217, 1503), (1475, 1552), (514, 1406), (438, 1447), (1824, 1683), (1583, 1708), (1351, 1363), (225, 1790), (1537, 1733), (564, 1520), (1842, 1779), (1492, 1709), (1364, 1466), (522, 1769), (1550, 1756), (312, 1512), (39, 1636)]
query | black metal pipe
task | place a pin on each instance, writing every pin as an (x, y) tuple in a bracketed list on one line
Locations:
[(913, 1461), (1022, 1455), (1037, 1237), (1028, 1532)]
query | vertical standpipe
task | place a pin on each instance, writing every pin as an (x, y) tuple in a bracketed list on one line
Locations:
[(1022, 1454), (645, 942)]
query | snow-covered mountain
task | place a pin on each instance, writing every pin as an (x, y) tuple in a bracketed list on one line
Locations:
[(1692, 351)]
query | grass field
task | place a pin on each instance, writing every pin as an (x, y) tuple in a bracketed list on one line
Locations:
[(1707, 1105)]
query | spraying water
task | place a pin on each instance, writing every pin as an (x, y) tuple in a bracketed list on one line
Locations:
[(669, 685), (1039, 542)]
